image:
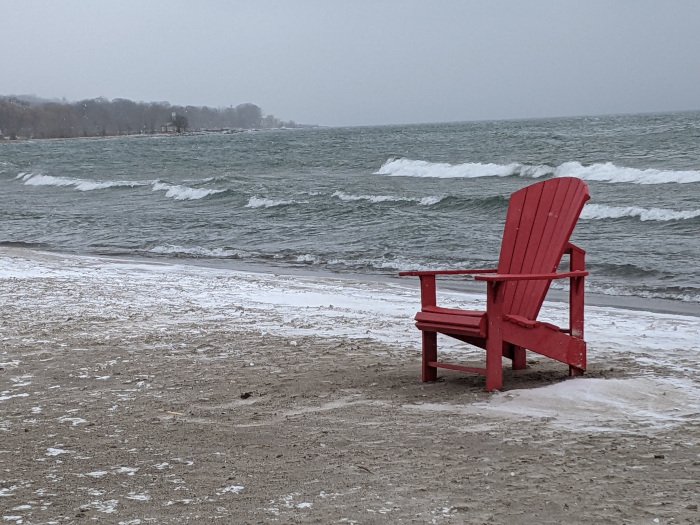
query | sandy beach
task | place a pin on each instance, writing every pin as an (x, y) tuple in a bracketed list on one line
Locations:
[(138, 392)]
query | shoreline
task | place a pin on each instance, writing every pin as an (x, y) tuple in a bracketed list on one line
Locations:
[(626, 302)]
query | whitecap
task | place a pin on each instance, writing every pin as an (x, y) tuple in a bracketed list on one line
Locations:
[(38, 179), (181, 193), (609, 172), (258, 202), (196, 251), (376, 199), (601, 212), (420, 168), (430, 201), (370, 198), (307, 258)]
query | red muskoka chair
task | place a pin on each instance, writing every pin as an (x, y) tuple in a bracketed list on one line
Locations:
[(539, 223)]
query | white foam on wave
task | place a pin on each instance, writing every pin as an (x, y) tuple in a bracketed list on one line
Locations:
[(687, 297), (601, 212), (420, 168), (375, 199), (609, 172), (181, 193), (430, 201), (196, 251), (599, 172), (38, 179), (259, 202), (308, 259)]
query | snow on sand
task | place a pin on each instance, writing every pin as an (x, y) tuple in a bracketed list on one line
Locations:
[(666, 346)]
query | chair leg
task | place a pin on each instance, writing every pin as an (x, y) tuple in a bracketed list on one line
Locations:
[(519, 358), (429, 373), (575, 371), (494, 364)]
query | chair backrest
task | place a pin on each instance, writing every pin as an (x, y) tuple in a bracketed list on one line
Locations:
[(540, 221)]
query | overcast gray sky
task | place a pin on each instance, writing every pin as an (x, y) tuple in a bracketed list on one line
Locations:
[(334, 62)]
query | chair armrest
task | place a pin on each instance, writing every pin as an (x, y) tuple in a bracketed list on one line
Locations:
[(496, 277), (419, 273)]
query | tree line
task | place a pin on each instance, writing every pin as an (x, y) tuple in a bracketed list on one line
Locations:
[(29, 117)]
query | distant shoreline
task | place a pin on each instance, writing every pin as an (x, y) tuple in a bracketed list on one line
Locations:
[(5, 140)]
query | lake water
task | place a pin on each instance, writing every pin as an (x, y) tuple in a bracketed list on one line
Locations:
[(371, 200)]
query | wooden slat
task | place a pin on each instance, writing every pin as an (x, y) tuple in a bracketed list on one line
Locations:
[(459, 368), (535, 241), (545, 254), (530, 257), (533, 194), (575, 197)]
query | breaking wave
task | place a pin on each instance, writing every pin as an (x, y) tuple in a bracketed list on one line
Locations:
[(172, 191), (374, 199), (194, 251), (37, 179), (258, 202), (609, 172), (181, 193), (599, 172), (600, 212), (420, 168), (674, 293)]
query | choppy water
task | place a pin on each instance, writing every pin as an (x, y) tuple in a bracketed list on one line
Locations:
[(368, 200)]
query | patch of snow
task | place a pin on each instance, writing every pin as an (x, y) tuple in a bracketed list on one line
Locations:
[(138, 497), (4, 396), (7, 491), (56, 451), (21, 380), (74, 421), (97, 474), (106, 507), (129, 471), (232, 489), (591, 405)]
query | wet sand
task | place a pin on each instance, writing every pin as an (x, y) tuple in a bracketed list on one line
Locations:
[(132, 398)]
